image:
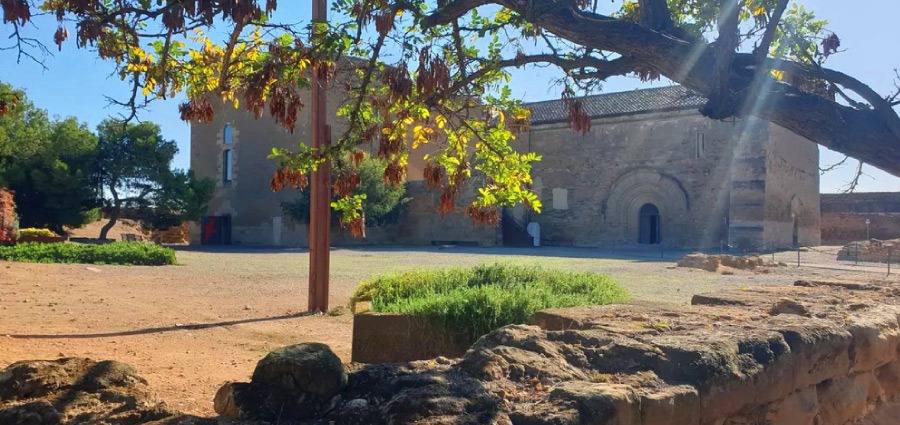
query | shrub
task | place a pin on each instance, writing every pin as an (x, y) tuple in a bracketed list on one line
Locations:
[(8, 220), (472, 302), (126, 253), (32, 232)]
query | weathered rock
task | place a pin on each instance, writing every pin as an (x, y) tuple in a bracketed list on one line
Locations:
[(844, 399), (35, 379), (80, 391), (872, 250), (724, 264), (876, 337), (724, 361), (243, 400), (292, 383), (788, 306), (889, 378), (35, 413), (673, 405), (799, 408), (309, 368), (601, 404)]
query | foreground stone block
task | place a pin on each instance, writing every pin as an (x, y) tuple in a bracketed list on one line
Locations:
[(876, 337), (291, 383), (603, 404), (390, 337), (310, 368), (845, 399), (728, 360), (675, 405)]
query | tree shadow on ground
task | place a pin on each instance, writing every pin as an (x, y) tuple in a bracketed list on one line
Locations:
[(161, 329)]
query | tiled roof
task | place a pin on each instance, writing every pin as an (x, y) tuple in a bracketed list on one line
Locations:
[(621, 103)]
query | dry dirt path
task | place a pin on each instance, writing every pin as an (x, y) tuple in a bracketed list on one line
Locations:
[(191, 327)]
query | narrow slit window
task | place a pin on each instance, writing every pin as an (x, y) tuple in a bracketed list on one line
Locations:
[(226, 134), (700, 146), (227, 166)]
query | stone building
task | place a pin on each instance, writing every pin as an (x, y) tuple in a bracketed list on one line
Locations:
[(651, 170)]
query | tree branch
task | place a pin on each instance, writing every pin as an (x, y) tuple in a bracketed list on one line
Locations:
[(722, 103), (451, 11), (609, 68), (862, 134), (762, 50), (881, 107)]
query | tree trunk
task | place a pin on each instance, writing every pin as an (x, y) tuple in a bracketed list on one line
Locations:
[(113, 215)]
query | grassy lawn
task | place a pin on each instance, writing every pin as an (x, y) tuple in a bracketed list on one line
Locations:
[(471, 302)]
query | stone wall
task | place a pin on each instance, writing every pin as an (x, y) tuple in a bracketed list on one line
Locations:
[(257, 217), (861, 203), (422, 224), (593, 185), (713, 183), (843, 228), (792, 190), (844, 216), (816, 353)]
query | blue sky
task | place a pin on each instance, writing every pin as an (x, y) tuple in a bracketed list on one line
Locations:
[(76, 82)]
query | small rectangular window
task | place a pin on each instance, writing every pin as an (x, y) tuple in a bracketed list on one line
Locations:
[(227, 166), (700, 146), (560, 199)]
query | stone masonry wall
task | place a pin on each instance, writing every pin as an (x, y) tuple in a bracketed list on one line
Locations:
[(593, 185), (862, 203), (844, 216), (792, 190), (746, 207), (843, 228), (257, 217)]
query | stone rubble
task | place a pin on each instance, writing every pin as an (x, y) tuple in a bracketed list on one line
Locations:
[(816, 353), (872, 251), (723, 264)]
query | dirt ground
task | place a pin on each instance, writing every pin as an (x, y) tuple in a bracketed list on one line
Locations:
[(191, 327), (92, 230)]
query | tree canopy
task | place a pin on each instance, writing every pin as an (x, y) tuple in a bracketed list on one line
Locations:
[(435, 73), (133, 167), (48, 165)]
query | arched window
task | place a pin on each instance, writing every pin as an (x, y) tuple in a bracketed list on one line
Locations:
[(227, 166), (226, 134)]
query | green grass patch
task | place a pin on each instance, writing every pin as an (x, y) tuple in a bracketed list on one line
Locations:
[(471, 302), (125, 253)]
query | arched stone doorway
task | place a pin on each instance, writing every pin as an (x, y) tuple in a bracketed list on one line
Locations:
[(649, 232), (624, 209)]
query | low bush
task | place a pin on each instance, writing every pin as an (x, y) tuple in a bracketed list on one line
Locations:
[(126, 253), (472, 302), (32, 232)]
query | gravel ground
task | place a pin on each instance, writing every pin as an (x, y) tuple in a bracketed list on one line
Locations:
[(191, 327)]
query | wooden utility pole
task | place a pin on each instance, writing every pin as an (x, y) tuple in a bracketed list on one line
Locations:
[(320, 184)]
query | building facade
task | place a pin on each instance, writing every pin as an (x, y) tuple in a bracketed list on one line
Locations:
[(651, 170)]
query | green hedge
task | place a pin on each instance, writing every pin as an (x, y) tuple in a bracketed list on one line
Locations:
[(127, 253), (472, 302), (47, 233)]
